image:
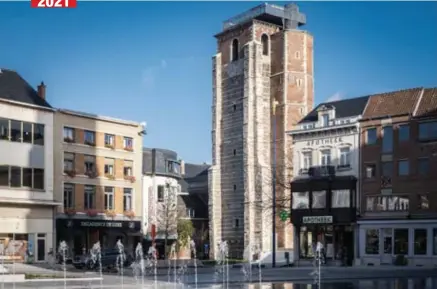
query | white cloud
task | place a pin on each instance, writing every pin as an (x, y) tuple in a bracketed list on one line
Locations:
[(335, 97)]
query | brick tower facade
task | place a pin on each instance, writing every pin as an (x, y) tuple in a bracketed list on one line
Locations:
[(262, 58)]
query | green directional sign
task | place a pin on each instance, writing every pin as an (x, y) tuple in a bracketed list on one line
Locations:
[(284, 215)]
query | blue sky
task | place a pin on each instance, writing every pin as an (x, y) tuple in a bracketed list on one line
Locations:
[(152, 60)]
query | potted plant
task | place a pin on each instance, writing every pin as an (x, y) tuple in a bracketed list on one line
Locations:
[(129, 149), (70, 212), (109, 176), (70, 173), (91, 174), (110, 213), (130, 214), (132, 179), (91, 212)]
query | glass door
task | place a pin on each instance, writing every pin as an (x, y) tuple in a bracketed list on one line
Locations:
[(387, 246)]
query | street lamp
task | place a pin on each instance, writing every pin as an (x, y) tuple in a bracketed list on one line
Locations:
[(274, 104)]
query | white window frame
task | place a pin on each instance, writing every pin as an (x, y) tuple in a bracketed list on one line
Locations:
[(68, 132), (128, 196), (126, 141), (345, 156), (69, 189), (323, 153), (109, 139), (109, 198), (307, 156)]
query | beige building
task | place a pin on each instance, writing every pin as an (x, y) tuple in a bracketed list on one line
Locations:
[(262, 58), (98, 170)]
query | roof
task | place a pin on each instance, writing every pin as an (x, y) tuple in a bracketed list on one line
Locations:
[(427, 106), (194, 174), (343, 108), (99, 117), (395, 103), (14, 88)]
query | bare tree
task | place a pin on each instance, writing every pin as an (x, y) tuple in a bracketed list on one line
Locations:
[(167, 212)]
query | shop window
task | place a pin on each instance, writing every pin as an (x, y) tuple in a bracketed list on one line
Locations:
[(68, 134), (401, 241), (319, 200), (160, 193), (434, 241), (27, 178), (340, 199), (300, 200), (306, 243), (420, 244), (127, 169), (4, 176), (372, 242)]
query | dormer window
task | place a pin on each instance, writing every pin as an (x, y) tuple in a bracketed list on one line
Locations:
[(325, 119)]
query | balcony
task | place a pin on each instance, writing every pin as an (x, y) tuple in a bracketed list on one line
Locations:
[(324, 171)]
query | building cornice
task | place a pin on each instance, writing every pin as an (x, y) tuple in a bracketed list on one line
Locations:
[(27, 105)]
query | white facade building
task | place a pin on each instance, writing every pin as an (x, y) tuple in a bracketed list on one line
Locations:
[(27, 206), (325, 190)]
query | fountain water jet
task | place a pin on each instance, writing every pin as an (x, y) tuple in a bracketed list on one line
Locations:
[(120, 260), (63, 247), (193, 251), (96, 258), (139, 261)]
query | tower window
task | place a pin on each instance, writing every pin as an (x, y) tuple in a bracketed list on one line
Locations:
[(234, 107), (235, 152), (234, 51), (265, 44), (235, 187), (299, 82), (236, 223)]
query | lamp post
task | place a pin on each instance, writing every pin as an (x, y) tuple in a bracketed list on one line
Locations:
[(274, 104)]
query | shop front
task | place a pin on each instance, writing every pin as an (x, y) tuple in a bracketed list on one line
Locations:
[(82, 234), (323, 210)]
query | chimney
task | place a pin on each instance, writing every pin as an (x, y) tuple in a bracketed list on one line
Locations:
[(182, 167), (42, 90)]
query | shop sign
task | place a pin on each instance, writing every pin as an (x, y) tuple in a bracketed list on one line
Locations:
[(317, 220), (326, 141), (101, 224)]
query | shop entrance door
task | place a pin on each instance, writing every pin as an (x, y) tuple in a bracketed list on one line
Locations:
[(387, 246)]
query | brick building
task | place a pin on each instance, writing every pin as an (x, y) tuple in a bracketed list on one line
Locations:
[(398, 184), (262, 58), (98, 169)]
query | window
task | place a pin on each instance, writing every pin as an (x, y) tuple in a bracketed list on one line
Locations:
[(420, 244), (300, 200), (325, 119), (68, 134), (109, 198), (235, 187), (15, 177), (68, 162), (89, 197), (372, 242), (423, 166), (173, 167), (38, 179), (403, 168), (422, 202), (109, 166), (387, 139), (109, 140), (160, 193), (345, 161), (234, 152), (434, 241), (90, 164), (27, 132), (307, 160), (387, 203), (38, 134), (236, 223), (371, 136), (265, 44), (190, 212), (234, 50), (89, 137), (127, 199), (319, 200), (404, 132), (326, 157), (370, 170), (15, 130), (387, 169), (234, 107), (27, 178), (299, 82), (68, 196), (128, 143), (340, 198), (401, 241), (428, 131), (127, 169), (4, 175), (4, 129)]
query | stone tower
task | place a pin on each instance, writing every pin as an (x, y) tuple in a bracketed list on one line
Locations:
[(262, 59)]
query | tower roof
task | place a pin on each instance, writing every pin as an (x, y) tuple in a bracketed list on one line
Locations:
[(270, 13)]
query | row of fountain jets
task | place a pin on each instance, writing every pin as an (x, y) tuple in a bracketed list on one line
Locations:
[(147, 265)]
